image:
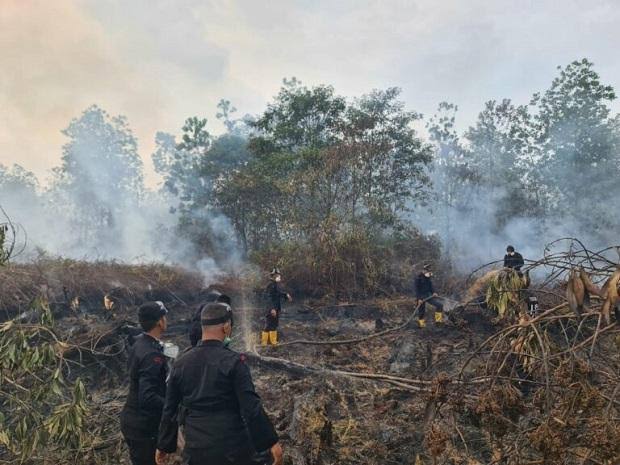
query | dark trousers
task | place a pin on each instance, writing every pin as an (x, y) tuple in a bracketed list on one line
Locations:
[(434, 301), (207, 457), (142, 451), (272, 322)]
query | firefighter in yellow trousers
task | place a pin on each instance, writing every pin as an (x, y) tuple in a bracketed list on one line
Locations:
[(275, 295)]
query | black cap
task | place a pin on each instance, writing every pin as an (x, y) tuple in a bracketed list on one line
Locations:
[(216, 296), (510, 249), (215, 313), (212, 296), (152, 311), (427, 267)]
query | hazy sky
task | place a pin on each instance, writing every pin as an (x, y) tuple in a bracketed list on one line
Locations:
[(160, 61)]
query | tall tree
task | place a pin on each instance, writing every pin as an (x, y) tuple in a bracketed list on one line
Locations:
[(194, 169), (320, 164), (454, 180), (501, 146), (100, 175), (580, 148)]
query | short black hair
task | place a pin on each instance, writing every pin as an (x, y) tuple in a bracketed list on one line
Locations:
[(510, 249), (215, 313), (150, 313)]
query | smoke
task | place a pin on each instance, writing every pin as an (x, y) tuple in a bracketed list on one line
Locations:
[(144, 232), (96, 207), (471, 237)]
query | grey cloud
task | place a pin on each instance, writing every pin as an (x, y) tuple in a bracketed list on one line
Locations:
[(158, 62)]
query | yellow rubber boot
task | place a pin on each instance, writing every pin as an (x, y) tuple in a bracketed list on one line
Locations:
[(422, 323), (273, 338), (438, 317), (264, 338)]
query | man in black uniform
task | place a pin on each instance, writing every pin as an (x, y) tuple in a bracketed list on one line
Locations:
[(275, 294), (147, 385), (425, 293), (513, 260), (195, 332), (224, 421)]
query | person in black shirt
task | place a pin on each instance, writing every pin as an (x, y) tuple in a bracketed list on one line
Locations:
[(425, 293), (513, 260), (147, 385), (195, 331), (276, 295), (223, 418)]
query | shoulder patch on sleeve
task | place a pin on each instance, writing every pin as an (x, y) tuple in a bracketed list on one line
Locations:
[(158, 360), (243, 358)]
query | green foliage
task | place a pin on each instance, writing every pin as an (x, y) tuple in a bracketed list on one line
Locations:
[(194, 169), (316, 165), (320, 164), (318, 174), (42, 409), (503, 293), (326, 185)]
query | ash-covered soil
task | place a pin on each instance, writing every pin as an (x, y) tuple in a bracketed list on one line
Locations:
[(360, 383)]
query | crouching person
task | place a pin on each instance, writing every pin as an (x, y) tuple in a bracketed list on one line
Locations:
[(223, 418)]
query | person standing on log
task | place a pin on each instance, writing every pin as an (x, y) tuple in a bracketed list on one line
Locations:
[(276, 295), (147, 385), (211, 389), (425, 293)]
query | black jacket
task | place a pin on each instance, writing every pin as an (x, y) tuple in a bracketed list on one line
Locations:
[(141, 414), (218, 404), (195, 329), (275, 295), (423, 287), (515, 261)]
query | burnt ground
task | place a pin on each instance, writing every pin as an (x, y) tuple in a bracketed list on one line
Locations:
[(336, 393), (323, 416), (329, 418)]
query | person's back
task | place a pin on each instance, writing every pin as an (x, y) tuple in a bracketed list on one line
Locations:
[(206, 377), (211, 388)]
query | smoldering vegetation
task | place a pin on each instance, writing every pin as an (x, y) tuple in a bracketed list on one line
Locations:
[(349, 201), (350, 383)]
